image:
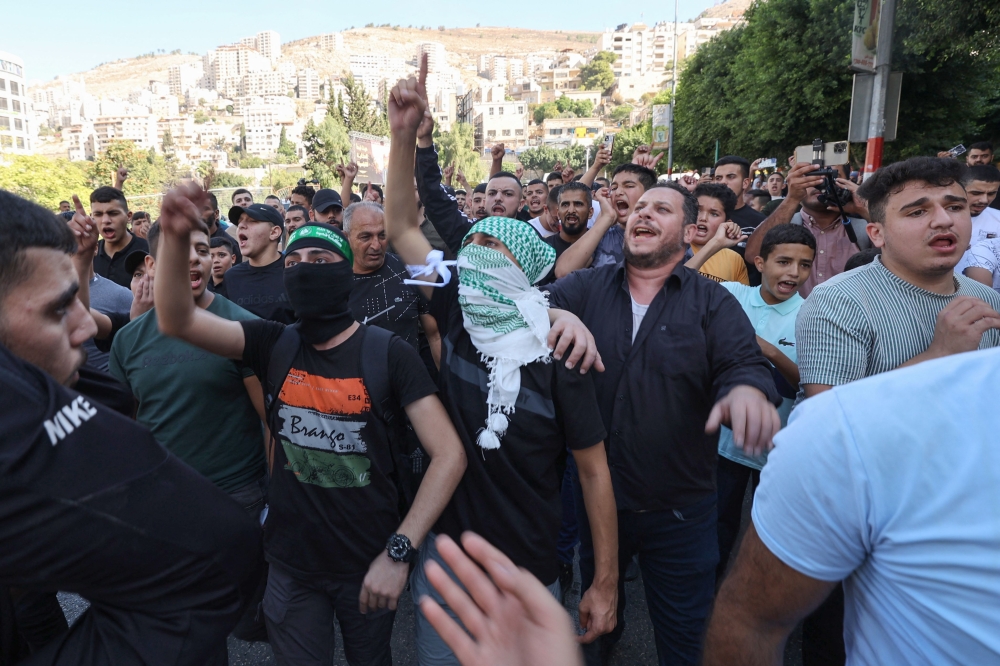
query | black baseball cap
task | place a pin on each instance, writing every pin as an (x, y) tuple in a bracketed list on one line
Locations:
[(134, 258), (325, 199), (259, 212)]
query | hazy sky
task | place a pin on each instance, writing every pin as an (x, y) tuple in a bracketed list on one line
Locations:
[(66, 36)]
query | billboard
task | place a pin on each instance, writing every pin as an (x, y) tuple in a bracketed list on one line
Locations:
[(864, 37), (371, 154), (661, 126)]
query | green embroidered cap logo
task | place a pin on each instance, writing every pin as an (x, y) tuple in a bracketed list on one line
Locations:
[(338, 242)]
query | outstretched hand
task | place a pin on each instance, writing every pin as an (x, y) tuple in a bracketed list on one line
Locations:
[(180, 210), (512, 618), (643, 156), (729, 234), (84, 230), (408, 102)]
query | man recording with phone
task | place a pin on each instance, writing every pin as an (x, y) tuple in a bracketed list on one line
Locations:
[(820, 215)]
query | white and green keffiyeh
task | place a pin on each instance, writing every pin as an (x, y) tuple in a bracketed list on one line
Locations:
[(506, 317)]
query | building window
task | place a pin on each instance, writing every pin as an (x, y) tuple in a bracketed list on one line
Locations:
[(519, 132), (555, 132), (20, 142), (3, 104), (6, 141), (520, 109), (18, 125), (501, 110), (491, 133), (3, 84), (4, 122), (491, 110), (16, 105), (13, 88), (506, 132)]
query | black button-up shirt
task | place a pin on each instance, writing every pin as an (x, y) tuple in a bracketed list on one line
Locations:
[(694, 345), (113, 268)]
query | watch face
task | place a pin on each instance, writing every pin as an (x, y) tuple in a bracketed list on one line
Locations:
[(398, 547)]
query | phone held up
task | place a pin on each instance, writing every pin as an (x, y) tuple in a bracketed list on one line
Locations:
[(609, 141)]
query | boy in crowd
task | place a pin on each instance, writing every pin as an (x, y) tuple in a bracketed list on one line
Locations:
[(759, 199), (716, 203), (257, 284), (498, 356), (223, 258), (337, 540), (536, 194), (603, 243), (786, 257), (109, 211), (303, 195)]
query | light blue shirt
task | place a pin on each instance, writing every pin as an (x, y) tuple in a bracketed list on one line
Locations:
[(776, 324), (892, 484)]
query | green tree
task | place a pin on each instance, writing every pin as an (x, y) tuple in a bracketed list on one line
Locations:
[(326, 145), (540, 112), (581, 108), (147, 171), (286, 153), (622, 113), (45, 180), (361, 113), (597, 74), (782, 79), (543, 158), (458, 147), (224, 179)]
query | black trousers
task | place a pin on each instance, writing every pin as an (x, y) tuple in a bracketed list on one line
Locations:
[(167, 560)]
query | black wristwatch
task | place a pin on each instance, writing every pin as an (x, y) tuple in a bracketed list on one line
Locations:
[(400, 549)]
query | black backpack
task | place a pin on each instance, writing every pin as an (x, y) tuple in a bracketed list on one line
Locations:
[(389, 420)]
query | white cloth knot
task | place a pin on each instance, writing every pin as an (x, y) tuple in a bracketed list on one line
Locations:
[(435, 263)]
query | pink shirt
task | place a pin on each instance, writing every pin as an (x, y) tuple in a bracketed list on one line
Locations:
[(833, 249)]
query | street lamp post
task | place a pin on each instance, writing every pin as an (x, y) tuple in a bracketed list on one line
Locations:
[(673, 92)]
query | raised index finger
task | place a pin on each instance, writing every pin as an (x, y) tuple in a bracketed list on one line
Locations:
[(422, 79), (79, 206)]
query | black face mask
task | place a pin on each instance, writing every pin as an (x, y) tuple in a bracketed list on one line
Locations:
[(319, 293)]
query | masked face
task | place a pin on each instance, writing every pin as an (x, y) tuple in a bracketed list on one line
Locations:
[(319, 285)]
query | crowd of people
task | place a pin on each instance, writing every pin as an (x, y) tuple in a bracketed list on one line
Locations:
[(264, 422)]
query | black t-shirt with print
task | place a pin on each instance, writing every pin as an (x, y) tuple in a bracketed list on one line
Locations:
[(510, 496), (381, 299), (333, 503), (259, 289)]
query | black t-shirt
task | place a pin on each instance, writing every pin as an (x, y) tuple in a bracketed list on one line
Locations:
[(510, 496), (105, 389), (113, 268), (381, 299), (261, 290), (333, 504), (560, 246), (748, 219)]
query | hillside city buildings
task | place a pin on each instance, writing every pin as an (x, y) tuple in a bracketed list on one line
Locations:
[(246, 94)]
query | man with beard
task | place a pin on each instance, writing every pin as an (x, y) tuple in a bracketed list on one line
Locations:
[(497, 372), (109, 211), (460, 196), (575, 207), (210, 216), (99, 497), (833, 244), (478, 204), (256, 284), (536, 195), (602, 244), (328, 207), (338, 544), (295, 217), (681, 359)]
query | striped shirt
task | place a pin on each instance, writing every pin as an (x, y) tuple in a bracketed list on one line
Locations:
[(868, 321), (986, 254)]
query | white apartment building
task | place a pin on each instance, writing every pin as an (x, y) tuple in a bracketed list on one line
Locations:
[(183, 132), (515, 69), (262, 124), (565, 132), (269, 45), (307, 84), (437, 56), (333, 41), (91, 138), (164, 107), (232, 62), (501, 121), (641, 48), (183, 77), (17, 127)]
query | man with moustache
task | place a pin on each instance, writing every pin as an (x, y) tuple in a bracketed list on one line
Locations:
[(536, 195)]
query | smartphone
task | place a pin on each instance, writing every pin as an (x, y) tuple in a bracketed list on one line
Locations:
[(768, 163), (957, 150), (609, 141), (834, 153)]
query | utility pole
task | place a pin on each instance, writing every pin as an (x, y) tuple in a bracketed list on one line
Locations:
[(883, 64), (673, 92)]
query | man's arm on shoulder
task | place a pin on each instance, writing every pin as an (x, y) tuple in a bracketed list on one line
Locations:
[(760, 603)]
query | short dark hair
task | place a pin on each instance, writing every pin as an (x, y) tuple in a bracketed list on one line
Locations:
[(537, 181), (760, 193), (718, 191), (153, 238), (506, 174), (553, 176), (784, 234), (224, 240), (935, 171), (272, 196), (25, 225), (457, 192), (241, 190), (374, 187), (862, 258), (140, 215), (355, 197), (646, 175), (982, 145), (297, 207), (63, 202), (735, 159), (305, 191), (776, 173), (576, 186), (214, 199), (479, 189), (690, 200), (107, 194), (554, 195), (984, 172)]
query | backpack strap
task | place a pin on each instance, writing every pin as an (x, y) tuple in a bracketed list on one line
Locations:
[(860, 227), (375, 371), (282, 355)]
